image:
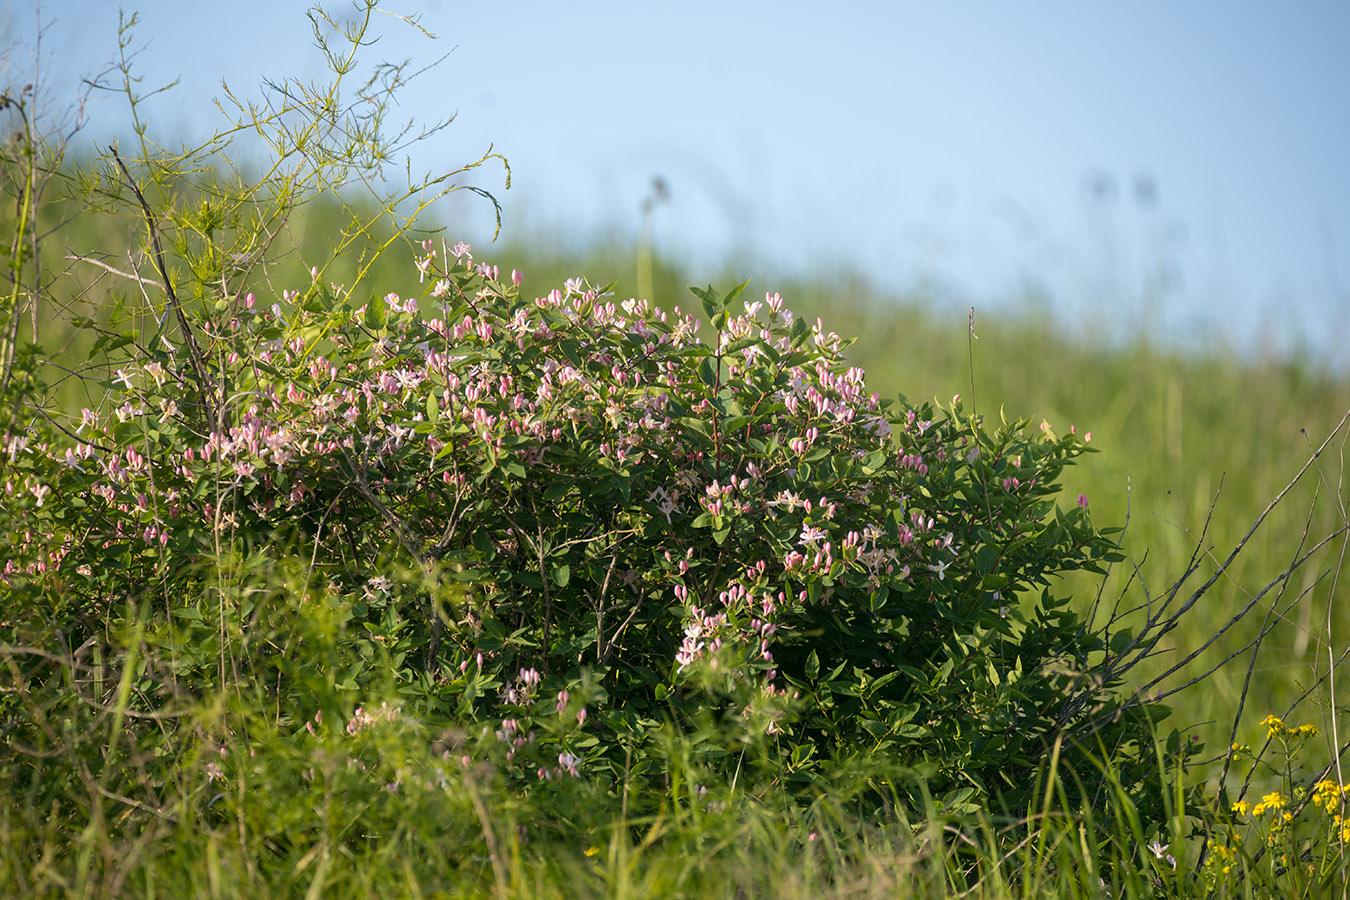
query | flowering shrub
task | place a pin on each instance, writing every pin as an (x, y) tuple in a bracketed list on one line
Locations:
[(572, 519)]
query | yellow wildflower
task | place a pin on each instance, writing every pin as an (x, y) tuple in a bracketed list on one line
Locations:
[(1241, 807), (1274, 725), (1273, 800), (1327, 795)]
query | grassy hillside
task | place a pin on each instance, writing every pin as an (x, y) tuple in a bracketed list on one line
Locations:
[(200, 708)]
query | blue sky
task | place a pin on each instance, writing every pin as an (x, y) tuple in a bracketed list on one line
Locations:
[(1179, 166)]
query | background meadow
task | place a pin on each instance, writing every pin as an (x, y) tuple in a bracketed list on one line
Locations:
[(1198, 427)]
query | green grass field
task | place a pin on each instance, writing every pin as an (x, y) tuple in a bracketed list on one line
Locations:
[(111, 778)]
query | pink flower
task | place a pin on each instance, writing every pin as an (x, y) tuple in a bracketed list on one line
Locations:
[(1082, 501)]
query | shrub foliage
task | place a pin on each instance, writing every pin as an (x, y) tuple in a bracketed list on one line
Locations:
[(565, 508)]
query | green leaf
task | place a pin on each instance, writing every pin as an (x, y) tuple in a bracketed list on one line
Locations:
[(812, 665), (572, 351), (375, 314), (562, 575), (710, 297), (529, 579), (1121, 640), (740, 344), (712, 301), (707, 372), (735, 292), (902, 714), (874, 462)]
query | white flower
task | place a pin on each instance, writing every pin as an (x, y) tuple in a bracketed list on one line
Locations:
[(811, 535), (665, 502)]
